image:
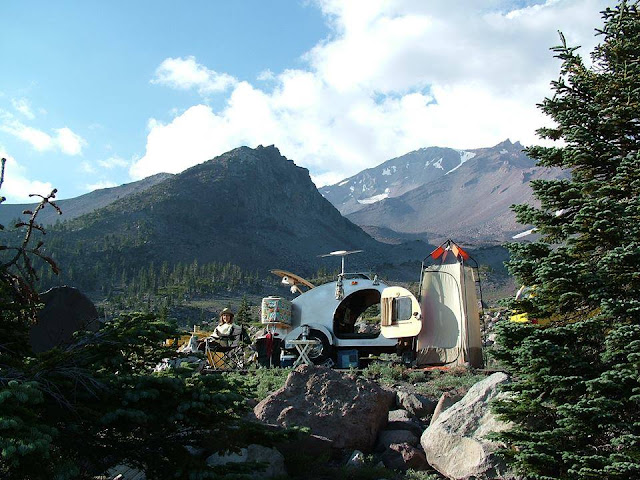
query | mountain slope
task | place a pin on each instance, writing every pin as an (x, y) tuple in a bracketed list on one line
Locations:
[(87, 203), (394, 177), (471, 203), (250, 207)]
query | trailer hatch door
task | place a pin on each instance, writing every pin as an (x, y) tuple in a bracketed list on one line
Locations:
[(400, 313)]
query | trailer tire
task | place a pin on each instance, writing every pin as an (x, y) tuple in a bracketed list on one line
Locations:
[(322, 352)]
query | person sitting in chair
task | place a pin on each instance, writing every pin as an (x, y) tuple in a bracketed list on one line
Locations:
[(227, 333)]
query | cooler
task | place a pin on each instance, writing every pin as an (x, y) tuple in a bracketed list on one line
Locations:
[(276, 310)]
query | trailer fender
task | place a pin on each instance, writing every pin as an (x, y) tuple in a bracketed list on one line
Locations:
[(296, 332)]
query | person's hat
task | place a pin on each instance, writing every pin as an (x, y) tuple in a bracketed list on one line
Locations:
[(226, 310)]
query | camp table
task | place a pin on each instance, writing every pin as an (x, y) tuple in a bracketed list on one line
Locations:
[(303, 347)]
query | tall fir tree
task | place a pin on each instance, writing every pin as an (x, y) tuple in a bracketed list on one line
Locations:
[(575, 399), (243, 316)]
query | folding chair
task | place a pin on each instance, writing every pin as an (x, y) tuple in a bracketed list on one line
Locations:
[(227, 352)]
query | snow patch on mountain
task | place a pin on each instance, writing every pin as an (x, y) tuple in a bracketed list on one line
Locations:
[(438, 164), (375, 198), (464, 156), (343, 183), (388, 171)]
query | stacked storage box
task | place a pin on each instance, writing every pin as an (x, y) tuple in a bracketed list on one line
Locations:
[(276, 310)]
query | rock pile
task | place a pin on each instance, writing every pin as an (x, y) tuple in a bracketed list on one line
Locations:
[(349, 416), (398, 443)]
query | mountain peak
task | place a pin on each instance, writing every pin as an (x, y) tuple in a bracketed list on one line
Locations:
[(508, 145), (251, 206)]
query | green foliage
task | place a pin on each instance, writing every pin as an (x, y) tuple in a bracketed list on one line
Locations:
[(102, 404), (258, 383), (243, 315), (431, 383), (422, 475), (438, 382), (575, 401), (386, 372)]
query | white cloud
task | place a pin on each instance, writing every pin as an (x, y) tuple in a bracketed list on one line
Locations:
[(113, 162), (68, 142), (100, 185), (22, 105), (186, 73), (86, 167), (266, 75), (393, 77), (17, 187), (63, 139)]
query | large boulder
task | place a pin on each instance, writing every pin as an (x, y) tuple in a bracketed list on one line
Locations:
[(447, 400), (349, 411), (455, 444), (66, 310)]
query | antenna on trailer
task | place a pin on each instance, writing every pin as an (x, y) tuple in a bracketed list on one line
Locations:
[(341, 253)]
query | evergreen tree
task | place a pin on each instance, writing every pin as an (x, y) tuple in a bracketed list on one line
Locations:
[(243, 316), (575, 398)]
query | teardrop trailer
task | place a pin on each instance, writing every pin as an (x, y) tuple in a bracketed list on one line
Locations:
[(357, 314)]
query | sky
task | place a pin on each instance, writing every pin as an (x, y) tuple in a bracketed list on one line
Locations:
[(94, 94)]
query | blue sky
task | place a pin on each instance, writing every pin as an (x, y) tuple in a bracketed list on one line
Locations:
[(95, 94)]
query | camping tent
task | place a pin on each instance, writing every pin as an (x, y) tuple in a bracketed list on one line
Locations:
[(450, 333)]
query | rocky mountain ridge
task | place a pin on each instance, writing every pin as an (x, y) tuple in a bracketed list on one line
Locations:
[(394, 177), (251, 207), (78, 206), (469, 202)]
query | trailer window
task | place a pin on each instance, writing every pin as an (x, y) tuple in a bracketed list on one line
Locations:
[(403, 309), (358, 315)]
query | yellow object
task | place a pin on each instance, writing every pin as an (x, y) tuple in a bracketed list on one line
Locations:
[(519, 318), (180, 341), (216, 359), (527, 292)]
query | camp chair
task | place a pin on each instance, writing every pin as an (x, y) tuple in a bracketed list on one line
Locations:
[(227, 352)]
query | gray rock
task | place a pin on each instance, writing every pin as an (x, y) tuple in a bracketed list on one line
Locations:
[(403, 420), (447, 399), (349, 411), (414, 403), (455, 443), (403, 456), (253, 453), (389, 437), (400, 415)]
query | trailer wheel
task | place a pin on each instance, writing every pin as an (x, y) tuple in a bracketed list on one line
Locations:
[(321, 352)]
